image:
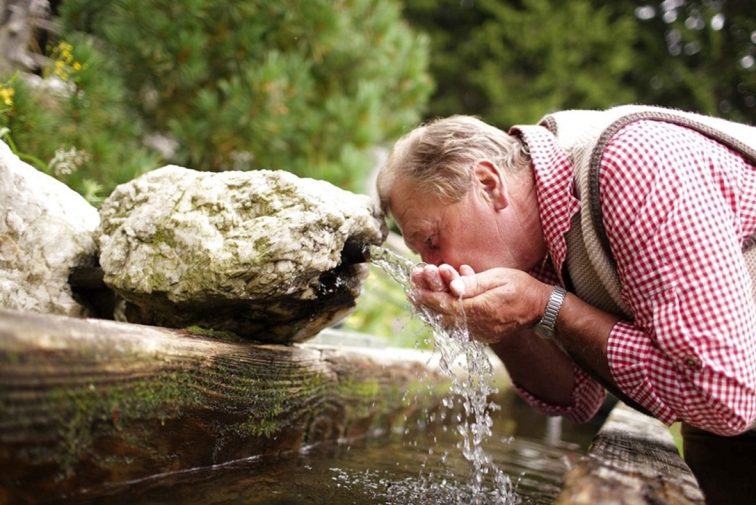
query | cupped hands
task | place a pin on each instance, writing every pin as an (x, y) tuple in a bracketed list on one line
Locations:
[(495, 304)]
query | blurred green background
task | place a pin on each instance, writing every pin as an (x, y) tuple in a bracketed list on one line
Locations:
[(322, 88)]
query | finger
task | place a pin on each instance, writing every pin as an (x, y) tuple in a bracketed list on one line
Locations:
[(466, 270), (433, 278), (417, 280), (438, 302), (448, 273), (468, 286), (458, 287), (421, 275)]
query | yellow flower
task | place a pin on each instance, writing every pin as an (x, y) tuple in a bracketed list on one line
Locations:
[(6, 95), (65, 66)]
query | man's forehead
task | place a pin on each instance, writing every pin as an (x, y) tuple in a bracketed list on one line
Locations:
[(413, 228)]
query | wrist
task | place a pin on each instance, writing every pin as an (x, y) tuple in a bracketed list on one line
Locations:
[(545, 327)]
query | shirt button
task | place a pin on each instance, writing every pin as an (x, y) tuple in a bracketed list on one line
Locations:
[(692, 362)]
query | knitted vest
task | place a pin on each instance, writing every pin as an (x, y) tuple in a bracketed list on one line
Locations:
[(584, 135)]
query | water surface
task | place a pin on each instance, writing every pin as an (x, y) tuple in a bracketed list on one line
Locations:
[(419, 467)]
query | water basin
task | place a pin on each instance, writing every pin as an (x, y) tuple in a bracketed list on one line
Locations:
[(422, 465)]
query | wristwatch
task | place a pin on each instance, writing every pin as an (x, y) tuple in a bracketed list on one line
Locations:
[(545, 327)]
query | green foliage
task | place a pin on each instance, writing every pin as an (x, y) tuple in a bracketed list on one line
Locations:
[(697, 55), (512, 62), (677, 437), (308, 86), (75, 125)]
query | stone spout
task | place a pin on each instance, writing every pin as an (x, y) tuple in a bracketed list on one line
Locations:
[(264, 255), (354, 254)]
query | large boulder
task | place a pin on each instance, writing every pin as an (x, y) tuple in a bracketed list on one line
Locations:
[(46, 230), (258, 254)]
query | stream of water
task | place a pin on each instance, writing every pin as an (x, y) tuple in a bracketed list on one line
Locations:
[(472, 388)]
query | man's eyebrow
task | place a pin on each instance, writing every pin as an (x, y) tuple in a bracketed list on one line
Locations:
[(412, 236)]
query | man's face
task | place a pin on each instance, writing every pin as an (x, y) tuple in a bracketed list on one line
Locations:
[(459, 233)]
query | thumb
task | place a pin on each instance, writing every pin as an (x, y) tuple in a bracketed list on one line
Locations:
[(468, 286), (459, 288)]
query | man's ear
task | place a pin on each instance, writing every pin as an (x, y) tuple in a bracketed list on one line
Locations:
[(493, 183)]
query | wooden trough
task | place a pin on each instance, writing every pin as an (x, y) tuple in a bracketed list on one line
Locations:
[(85, 403), (633, 460)]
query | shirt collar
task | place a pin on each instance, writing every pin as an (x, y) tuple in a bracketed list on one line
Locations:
[(554, 179)]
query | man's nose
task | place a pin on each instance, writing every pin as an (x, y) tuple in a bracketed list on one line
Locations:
[(432, 258)]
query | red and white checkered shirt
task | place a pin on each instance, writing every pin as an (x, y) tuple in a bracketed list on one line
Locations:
[(677, 207)]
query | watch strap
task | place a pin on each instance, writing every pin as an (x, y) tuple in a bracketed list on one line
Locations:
[(545, 326)]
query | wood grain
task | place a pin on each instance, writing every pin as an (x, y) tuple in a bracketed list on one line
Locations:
[(633, 460), (89, 402)]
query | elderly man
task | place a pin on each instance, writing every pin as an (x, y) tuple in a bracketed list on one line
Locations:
[(599, 250)]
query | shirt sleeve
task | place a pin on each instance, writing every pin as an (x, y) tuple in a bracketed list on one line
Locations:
[(587, 395), (673, 205)]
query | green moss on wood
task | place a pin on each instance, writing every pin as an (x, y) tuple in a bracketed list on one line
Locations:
[(71, 401), (225, 336)]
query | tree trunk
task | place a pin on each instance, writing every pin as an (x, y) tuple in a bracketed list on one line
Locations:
[(89, 402), (19, 20)]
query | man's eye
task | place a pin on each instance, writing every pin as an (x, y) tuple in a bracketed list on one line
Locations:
[(431, 242)]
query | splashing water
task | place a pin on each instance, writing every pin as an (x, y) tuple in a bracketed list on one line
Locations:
[(472, 389)]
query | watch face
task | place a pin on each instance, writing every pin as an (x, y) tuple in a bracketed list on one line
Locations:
[(543, 331)]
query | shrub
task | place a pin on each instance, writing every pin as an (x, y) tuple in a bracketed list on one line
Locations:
[(308, 86)]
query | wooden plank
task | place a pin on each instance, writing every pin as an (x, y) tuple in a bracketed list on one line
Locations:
[(89, 402), (632, 460)]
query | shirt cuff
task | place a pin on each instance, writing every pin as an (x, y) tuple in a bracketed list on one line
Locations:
[(629, 352), (587, 398)]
